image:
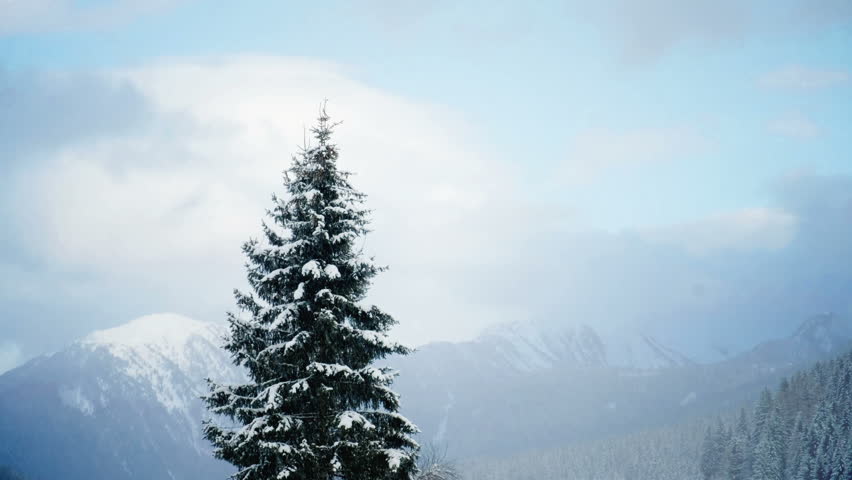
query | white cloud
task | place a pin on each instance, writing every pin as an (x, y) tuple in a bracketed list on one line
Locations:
[(10, 356), (795, 125), (747, 229), (168, 206), (151, 215), (799, 77), (593, 152)]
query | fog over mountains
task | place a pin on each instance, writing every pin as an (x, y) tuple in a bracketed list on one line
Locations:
[(124, 403)]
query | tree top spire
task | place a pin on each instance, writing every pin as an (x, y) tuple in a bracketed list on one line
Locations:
[(325, 127)]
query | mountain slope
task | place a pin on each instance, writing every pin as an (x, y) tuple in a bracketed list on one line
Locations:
[(120, 404), (123, 403), (535, 389)]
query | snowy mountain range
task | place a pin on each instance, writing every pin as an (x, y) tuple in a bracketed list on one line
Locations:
[(124, 403), (525, 386)]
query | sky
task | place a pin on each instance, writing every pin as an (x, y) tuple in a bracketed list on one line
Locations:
[(677, 168)]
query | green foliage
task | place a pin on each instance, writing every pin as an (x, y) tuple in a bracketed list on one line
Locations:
[(316, 408)]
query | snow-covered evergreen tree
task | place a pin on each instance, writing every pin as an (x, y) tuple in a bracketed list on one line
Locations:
[(825, 427), (714, 452), (316, 407), (767, 460), (806, 468), (739, 453), (762, 412), (795, 447)]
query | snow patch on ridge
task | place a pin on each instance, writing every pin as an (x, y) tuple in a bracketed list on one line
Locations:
[(74, 398), (169, 353), (165, 329), (530, 346)]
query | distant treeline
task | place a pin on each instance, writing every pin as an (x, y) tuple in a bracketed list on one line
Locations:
[(801, 432), (661, 454)]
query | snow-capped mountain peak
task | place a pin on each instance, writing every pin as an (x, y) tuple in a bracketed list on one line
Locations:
[(528, 346), (124, 403), (169, 354), (156, 338), (531, 345), (131, 394), (826, 332), (642, 351), (160, 328)]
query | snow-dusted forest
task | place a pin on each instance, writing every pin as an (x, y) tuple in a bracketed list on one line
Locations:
[(425, 240), (797, 430)]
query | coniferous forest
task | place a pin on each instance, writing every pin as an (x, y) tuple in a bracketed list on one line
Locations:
[(800, 431), (797, 431)]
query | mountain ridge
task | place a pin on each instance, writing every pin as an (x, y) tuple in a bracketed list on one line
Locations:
[(125, 401)]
